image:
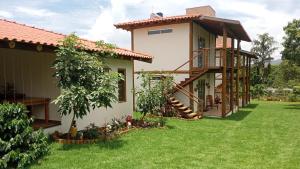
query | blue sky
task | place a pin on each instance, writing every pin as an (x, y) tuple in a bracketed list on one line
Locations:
[(94, 19)]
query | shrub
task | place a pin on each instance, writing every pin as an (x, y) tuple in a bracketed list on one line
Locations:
[(19, 144), (153, 95), (91, 132)]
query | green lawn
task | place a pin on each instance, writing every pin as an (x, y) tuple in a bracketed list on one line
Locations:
[(263, 135)]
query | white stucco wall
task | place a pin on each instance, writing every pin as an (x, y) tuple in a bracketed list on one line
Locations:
[(31, 73), (170, 50), (100, 116)]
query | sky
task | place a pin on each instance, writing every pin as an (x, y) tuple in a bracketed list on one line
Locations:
[(94, 19)]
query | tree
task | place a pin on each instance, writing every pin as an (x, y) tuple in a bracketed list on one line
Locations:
[(82, 77), (263, 48), (291, 42), (153, 94)]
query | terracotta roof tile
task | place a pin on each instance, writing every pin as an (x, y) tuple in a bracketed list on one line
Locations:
[(10, 30), (157, 20)]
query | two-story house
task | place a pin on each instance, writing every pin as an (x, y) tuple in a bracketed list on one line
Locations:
[(206, 67)]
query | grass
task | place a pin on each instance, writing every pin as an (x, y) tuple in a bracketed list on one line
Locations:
[(262, 135)]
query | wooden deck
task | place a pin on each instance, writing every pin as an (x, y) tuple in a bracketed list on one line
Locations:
[(215, 112)]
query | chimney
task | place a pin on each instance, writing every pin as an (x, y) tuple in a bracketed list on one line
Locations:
[(201, 10)]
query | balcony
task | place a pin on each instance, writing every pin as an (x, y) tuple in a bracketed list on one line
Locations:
[(209, 59)]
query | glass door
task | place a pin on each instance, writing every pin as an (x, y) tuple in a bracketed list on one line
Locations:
[(201, 91)]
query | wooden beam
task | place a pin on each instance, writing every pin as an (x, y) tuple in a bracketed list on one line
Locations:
[(164, 72), (191, 46), (238, 65), (244, 82), (231, 74), (224, 77)]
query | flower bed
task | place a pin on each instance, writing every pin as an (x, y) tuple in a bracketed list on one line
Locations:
[(93, 134)]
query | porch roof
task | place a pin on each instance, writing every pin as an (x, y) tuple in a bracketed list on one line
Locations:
[(13, 31), (211, 24)]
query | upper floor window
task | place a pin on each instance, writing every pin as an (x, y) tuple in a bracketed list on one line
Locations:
[(161, 31)]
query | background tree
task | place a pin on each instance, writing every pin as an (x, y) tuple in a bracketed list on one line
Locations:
[(291, 42), (263, 48), (82, 78)]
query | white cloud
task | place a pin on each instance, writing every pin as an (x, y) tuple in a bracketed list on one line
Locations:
[(256, 17), (33, 12), (5, 14)]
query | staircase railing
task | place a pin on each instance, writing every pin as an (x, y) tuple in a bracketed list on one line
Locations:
[(187, 93)]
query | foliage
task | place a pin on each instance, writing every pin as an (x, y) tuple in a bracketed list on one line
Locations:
[(153, 94), (257, 90), (82, 77), (91, 132), (291, 42), (295, 96), (19, 144), (263, 48)]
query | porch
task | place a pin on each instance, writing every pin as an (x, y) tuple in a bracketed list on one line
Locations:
[(26, 78)]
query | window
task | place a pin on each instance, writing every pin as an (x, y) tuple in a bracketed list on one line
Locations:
[(122, 86), (153, 32), (167, 31)]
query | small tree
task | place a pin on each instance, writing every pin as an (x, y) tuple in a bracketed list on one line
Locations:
[(153, 94), (82, 77)]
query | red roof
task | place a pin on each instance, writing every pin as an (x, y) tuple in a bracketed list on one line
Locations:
[(157, 20), (27, 34), (213, 24)]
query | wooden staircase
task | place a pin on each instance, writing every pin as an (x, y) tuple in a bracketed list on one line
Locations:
[(194, 77), (183, 110)]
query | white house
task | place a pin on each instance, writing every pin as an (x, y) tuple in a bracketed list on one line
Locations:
[(188, 47), (26, 56)]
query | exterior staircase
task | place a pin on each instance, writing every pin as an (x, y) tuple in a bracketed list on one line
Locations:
[(186, 81), (183, 110)]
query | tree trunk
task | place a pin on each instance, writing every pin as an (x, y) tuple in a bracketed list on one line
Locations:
[(71, 123)]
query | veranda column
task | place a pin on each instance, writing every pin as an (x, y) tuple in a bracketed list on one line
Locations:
[(238, 65), (191, 65), (244, 81), (224, 78), (247, 82), (249, 73), (231, 74)]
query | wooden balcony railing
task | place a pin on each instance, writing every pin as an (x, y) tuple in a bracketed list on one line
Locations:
[(207, 58)]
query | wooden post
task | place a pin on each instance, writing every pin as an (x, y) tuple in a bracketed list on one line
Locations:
[(231, 74), (133, 87), (249, 73), (238, 65), (224, 77), (191, 46), (244, 82)]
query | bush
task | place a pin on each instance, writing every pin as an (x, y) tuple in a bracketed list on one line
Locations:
[(19, 144), (153, 95)]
